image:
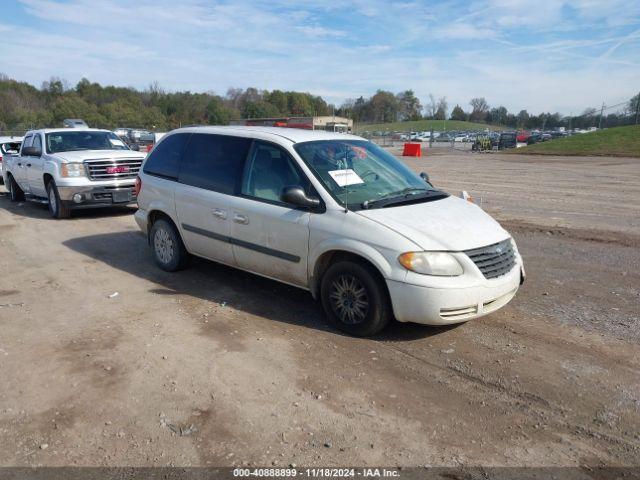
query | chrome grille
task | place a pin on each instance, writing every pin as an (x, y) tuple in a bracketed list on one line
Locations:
[(494, 260), (112, 168)]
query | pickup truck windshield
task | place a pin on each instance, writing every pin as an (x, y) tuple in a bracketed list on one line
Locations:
[(71, 140), (361, 174)]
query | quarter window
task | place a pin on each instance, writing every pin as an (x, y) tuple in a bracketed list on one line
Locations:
[(214, 162), (164, 161), (268, 170)]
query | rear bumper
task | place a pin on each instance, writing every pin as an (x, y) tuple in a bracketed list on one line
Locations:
[(97, 196), (446, 306)]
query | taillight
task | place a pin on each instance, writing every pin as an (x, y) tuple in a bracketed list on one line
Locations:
[(138, 186), (0, 158)]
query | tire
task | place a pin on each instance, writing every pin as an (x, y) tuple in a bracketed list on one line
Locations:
[(15, 192), (355, 299), (57, 209), (168, 249)]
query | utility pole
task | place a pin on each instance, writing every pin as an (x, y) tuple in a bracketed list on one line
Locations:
[(600, 121)]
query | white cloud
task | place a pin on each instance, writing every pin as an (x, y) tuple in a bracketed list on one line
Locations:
[(514, 53)]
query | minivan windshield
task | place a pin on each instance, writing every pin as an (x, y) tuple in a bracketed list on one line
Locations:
[(360, 174), (71, 140)]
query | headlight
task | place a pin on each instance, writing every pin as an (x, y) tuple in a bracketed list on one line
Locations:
[(431, 263), (72, 170)]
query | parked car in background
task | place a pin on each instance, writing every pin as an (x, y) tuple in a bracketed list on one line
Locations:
[(328, 212), (507, 140), (8, 146), (523, 136), (74, 123), (73, 168), (535, 137)]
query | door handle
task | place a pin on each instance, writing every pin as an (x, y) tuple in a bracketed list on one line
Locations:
[(217, 212), (238, 218)]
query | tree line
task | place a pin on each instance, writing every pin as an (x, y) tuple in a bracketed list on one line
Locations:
[(23, 106), (386, 107)]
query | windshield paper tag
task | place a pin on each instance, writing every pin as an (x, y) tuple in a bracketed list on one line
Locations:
[(345, 177), (116, 143)]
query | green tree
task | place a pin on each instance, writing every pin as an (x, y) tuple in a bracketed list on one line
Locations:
[(458, 114), (384, 107), (409, 107), (217, 113), (259, 109)]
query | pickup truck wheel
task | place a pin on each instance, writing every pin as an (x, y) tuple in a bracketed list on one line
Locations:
[(15, 192), (56, 208), (354, 299), (168, 250)]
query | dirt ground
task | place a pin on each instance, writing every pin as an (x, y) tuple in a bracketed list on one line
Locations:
[(212, 366)]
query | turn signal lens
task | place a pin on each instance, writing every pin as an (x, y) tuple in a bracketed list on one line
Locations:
[(431, 263)]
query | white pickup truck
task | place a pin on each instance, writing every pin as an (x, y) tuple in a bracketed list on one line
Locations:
[(73, 168)]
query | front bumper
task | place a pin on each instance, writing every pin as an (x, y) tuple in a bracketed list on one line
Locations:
[(446, 306), (97, 195), (142, 220)]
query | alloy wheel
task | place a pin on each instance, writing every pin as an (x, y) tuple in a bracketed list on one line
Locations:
[(163, 244), (349, 299)]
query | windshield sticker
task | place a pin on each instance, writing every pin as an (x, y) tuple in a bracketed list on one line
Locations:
[(345, 177), (116, 142)]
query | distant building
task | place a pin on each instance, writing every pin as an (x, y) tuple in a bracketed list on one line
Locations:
[(327, 123)]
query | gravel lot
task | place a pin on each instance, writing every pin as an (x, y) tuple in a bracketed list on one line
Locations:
[(212, 366)]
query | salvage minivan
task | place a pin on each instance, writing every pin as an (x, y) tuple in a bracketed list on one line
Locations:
[(331, 213)]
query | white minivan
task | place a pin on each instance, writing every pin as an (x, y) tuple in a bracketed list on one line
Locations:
[(331, 213)]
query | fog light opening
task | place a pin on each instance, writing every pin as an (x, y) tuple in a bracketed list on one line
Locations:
[(77, 198)]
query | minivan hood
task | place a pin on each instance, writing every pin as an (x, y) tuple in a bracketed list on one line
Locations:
[(82, 155), (450, 224)]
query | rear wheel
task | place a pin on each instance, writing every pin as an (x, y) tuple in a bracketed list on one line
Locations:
[(168, 249), (56, 208), (354, 299), (15, 192)]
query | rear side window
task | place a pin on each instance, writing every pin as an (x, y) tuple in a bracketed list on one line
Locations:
[(214, 162), (164, 161)]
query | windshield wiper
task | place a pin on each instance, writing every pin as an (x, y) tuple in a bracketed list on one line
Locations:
[(404, 193), (406, 197)]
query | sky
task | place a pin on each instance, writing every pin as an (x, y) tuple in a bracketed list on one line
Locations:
[(539, 55)]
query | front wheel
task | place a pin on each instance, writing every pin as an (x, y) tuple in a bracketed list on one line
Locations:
[(168, 250), (15, 192), (354, 299), (56, 208)]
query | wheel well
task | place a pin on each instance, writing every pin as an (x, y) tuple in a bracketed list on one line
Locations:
[(333, 256), (47, 178), (156, 215)]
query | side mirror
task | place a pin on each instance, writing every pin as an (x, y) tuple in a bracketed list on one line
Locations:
[(425, 177), (295, 195), (135, 147), (31, 152)]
